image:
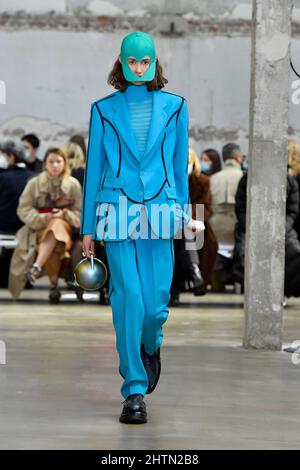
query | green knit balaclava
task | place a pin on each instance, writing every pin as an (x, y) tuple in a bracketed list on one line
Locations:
[(138, 45)]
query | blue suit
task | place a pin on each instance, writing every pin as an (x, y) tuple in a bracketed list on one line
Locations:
[(117, 179)]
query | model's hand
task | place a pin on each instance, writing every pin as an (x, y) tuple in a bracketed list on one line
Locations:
[(88, 246), (196, 225), (191, 225)]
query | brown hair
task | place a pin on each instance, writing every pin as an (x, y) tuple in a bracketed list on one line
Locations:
[(117, 80), (215, 159), (62, 154)]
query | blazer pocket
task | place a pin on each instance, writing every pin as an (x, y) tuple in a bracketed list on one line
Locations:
[(113, 182), (106, 195), (170, 192)]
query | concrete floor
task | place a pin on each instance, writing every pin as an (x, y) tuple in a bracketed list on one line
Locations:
[(60, 385)]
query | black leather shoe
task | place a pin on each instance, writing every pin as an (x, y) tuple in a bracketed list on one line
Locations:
[(174, 300), (200, 290), (134, 410), (54, 296), (152, 365), (79, 293), (198, 281), (104, 299)]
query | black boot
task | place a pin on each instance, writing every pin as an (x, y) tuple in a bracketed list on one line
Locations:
[(174, 300), (198, 281), (134, 410), (104, 299), (54, 295), (79, 293)]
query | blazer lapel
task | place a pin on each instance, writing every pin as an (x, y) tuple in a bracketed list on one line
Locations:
[(123, 124), (158, 120)]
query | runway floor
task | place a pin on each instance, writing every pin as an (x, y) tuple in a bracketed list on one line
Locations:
[(60, 384)]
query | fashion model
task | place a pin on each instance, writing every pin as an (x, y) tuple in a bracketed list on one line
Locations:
[(136, 166)]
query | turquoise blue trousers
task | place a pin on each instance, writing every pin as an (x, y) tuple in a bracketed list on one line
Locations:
[(141, 272)]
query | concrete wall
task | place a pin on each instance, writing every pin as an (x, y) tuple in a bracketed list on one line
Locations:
[(55, 64), (206, 7)]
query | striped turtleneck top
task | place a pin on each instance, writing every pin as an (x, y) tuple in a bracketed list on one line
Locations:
[(139, 101)]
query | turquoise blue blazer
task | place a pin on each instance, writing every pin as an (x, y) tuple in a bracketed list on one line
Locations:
[(115, 168)]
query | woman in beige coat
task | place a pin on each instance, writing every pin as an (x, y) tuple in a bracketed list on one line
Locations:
[(50, 208)]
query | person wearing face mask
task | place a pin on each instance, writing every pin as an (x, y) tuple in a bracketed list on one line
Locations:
[(223, 219), (31, 145), (187, 260), (199, 188), (210, 162), (50, 208), (13, 178), (223, 186)]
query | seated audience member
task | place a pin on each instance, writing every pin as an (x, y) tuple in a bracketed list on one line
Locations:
[(187, 261), (79, 140), (238, 263), (76, 160), (199, 186), (292, 243), (210, 162), (31, 145), (50, 209), (294, 170), (76, 151), (13, 180), (223, 186)]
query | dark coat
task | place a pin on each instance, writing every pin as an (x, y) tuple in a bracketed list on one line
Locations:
[(199, 189), (12, 182), (238, 263), (36, 166), (78, 173), (297, 221), (292, 243)]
